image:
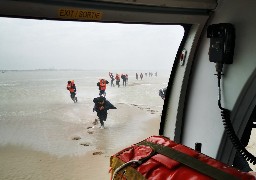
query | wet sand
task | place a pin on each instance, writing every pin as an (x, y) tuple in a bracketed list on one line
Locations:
[(45, 136), (86, 149), (251, 147)]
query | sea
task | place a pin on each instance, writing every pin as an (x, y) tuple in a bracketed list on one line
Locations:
[(36, 110)]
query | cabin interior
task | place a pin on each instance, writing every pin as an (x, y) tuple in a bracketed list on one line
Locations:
[(190, 113)]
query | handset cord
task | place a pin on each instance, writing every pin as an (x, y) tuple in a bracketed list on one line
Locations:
[(225, 113)]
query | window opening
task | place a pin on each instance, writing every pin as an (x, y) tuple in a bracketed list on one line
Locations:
[(40, 125)]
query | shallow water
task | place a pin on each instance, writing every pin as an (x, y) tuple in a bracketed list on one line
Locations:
[(37, 112)]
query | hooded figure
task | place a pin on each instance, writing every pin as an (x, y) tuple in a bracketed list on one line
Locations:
[(102, 105)]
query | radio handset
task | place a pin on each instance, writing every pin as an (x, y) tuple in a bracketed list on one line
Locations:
[(222, 44), (221, 51)]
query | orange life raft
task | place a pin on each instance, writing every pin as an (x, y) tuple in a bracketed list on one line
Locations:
[(159, 158)]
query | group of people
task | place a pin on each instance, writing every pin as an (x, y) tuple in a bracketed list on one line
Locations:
[(137, 76), (150, 74), (124, 77), (101, 104)]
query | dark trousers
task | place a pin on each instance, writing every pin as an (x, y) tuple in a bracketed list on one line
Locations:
[(72, 95), (102, 116), (117, 83), (124, 82), (112, 83)]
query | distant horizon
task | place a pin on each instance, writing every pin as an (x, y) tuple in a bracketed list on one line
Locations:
[(28, 44)]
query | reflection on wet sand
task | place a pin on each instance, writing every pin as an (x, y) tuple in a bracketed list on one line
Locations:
[(83, 151)]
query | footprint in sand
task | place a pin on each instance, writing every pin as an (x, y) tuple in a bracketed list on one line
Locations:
[(152, 111), (97, 153), (90, 132), (76, 138), (85, 144), (89, 127), (96, 121)]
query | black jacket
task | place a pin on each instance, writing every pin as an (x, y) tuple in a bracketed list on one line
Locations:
[(104, 107)]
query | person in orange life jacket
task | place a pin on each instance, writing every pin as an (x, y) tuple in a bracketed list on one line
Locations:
[(72, 89), (102, 86), (112, 78), (101, 106), (124, 79), (117, 80)]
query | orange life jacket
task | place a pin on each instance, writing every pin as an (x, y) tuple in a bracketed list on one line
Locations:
[(70, 87), (103, 84), (117, 77)]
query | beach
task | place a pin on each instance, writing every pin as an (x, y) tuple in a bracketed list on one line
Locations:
[(44, 135), (20, 162)]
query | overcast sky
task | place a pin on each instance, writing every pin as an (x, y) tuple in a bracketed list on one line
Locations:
[(42, 44)]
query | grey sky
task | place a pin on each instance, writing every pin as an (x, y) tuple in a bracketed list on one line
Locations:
[(41, 44)]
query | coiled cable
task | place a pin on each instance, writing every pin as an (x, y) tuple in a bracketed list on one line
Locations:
[(225, 113)]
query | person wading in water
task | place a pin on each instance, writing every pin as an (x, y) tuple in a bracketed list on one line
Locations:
[(101, 106), (72, 89), (102, 87)]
